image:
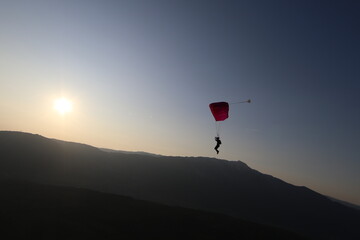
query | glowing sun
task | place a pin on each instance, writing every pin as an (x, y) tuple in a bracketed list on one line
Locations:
[(63, 105)]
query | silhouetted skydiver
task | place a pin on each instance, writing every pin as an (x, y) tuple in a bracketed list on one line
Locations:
[(218, 143)]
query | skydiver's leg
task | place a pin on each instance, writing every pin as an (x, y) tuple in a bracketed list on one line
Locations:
[(216, 148)]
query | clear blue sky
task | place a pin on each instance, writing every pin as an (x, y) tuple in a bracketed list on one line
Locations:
[(140, 75)]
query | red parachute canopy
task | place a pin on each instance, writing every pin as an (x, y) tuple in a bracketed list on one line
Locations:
[(220, 110)]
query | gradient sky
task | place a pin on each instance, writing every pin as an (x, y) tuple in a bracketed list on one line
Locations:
[(141, 74)]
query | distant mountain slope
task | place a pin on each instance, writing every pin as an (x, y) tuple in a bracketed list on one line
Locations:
[(203, 183), (345, 203), (32, 211)]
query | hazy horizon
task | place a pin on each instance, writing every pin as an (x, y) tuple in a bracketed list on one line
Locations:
[(139, 76)]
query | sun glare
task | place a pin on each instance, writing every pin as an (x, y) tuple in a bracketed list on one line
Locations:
[(62, 106)]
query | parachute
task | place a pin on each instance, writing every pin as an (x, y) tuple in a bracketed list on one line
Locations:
[(220, 111)]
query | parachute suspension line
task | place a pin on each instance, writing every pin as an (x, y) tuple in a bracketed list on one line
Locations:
[(247, 101), (218, 127), (220, 111)]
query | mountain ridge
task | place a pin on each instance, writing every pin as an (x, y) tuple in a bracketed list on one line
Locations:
[(208, 184)]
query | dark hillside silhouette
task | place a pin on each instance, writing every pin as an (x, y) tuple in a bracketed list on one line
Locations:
[(208, 184), (32, 211)]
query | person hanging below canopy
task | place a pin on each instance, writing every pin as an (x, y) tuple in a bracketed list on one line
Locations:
[(218, 143), (220, 111)]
